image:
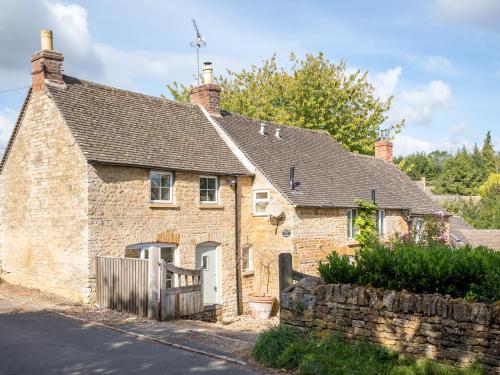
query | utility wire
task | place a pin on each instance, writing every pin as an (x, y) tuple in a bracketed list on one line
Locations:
[(9, 90)]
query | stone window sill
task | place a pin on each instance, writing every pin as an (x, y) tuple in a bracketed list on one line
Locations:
[(248, 273), (211, 206), (164, 205)]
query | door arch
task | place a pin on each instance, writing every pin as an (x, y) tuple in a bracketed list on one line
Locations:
[(208, 259)]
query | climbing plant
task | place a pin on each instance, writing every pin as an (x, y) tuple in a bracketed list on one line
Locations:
[(365, 223)]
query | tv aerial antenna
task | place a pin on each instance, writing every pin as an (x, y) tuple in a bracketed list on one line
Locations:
[(198, 43)]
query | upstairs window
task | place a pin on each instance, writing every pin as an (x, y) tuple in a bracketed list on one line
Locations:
[(161, 187), (260, 202), (381, 231), (246, 258), (209, 186), (352, 213)]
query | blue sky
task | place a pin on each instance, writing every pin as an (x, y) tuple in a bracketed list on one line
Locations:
[(439, 58)]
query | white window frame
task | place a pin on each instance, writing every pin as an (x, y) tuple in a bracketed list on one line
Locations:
[(162, 173), (260, 200), (250, 257), (418, 227), (351, 227), (216, 190), (381, 229)]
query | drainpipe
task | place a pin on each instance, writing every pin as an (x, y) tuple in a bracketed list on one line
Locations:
[(234, 185)]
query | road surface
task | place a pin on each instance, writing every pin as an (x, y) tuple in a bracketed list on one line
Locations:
[(41, 342)]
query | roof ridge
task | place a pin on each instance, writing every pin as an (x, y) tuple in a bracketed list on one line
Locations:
[(320, 131), (130, 92)]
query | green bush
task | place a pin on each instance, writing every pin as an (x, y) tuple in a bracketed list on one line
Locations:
[(272, 343), (289, 348), (465, 272)]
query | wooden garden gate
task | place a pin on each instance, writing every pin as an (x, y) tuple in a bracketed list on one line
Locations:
[(148, 287)]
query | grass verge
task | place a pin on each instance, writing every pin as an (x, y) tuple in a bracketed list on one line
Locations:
[(290, 348)]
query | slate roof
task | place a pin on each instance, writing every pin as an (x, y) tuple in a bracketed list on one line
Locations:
[(328, 174), (115, 126), (482, 237)]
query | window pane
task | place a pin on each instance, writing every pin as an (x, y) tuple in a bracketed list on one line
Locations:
[(203, 183), (261, 195), (165, 194), (261, 207), (203, 196), (211, 195), (155, 179), (211, 183), (132, 253), (167, 254), (165, 181), (155, 193)]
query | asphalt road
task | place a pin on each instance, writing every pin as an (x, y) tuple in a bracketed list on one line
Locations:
[(44, 343)]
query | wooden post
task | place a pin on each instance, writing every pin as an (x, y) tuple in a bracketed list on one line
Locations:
[(285, 271), (153, 281)]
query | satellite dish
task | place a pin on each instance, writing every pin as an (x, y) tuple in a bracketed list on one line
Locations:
[(274, 209)]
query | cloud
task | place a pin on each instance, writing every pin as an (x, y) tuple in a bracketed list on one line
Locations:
[(385, 83), (406, 144), (418, 106), (482, 13), (438, 64)]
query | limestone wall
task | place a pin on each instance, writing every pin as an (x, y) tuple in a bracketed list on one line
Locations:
[(120, 214), (43, 218), (430, 325)]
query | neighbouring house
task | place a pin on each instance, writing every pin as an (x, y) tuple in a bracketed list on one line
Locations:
[(462, 233), (93, 170)]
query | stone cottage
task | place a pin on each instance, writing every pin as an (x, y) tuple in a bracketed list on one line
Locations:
[(94, 170)]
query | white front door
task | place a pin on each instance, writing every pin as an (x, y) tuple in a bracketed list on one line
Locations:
[(207, 259)]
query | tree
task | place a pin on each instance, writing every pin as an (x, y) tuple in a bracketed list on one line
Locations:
[(459, 175), (314, 93), (489, 155), (490, 186)]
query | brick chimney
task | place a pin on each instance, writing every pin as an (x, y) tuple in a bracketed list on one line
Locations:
[(46, 64), (208, 94), (383, 150)]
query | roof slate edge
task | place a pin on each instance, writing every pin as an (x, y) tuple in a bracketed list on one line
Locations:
[(164, 168), (15, 130)]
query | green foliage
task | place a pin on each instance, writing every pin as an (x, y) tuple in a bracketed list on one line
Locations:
[(482, 215), (491, 186), (366, 233), (461, 173), (430, 268), (271, 344), (313, 93), (337, 269), (335, 355)]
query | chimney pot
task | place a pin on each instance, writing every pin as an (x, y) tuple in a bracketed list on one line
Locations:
[(46, 40), (207, 73), (277, 133)]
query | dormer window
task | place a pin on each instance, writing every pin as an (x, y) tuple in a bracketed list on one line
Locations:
[(161, 187), (209, 186)]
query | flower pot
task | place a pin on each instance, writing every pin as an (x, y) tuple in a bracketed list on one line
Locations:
[(261, 306)]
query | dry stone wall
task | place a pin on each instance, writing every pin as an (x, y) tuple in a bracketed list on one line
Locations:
[(430, 325)]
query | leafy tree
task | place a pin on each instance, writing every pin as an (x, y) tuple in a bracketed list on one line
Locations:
[(459, 175), (314, 93), (489, 156), (491, 186)]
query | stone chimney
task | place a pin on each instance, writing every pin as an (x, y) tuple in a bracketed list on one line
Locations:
[(383, 150), (208, 94), (46, 64)]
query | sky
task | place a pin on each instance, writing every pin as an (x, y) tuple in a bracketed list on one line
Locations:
[(439, 59)]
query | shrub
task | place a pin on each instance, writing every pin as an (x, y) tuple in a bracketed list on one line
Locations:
[(428, 367), (272, 343), (433, 268)]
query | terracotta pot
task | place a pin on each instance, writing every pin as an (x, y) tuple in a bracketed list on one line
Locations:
[(261, 306)]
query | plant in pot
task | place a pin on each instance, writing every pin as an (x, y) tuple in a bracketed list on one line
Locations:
[(261, 303)]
